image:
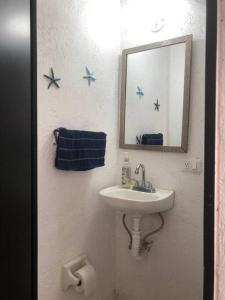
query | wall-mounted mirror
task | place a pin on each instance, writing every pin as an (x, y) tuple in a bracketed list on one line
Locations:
[(155, 96)]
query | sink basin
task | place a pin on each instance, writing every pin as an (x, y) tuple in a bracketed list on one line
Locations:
[(135, 202)]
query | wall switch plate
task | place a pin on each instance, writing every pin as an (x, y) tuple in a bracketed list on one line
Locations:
[(193, 165)]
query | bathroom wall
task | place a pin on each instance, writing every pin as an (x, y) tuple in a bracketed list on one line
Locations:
[(174, 268), (71, 218), (71, 36)]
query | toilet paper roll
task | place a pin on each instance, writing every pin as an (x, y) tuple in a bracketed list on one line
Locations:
[(88, 277)]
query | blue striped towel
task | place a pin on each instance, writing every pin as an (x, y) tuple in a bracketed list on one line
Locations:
[(152, 139), (79, 150)]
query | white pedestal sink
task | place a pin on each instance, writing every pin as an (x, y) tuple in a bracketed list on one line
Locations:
[(138, 204), (135, 202)]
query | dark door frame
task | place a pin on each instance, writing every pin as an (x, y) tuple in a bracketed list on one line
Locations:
[(210, 102), (209, 175), (17, 162)]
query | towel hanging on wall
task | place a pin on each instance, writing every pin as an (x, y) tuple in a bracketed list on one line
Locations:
[(79, 150)]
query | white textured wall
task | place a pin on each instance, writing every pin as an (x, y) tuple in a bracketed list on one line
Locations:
[(174, 269), (72, 35)]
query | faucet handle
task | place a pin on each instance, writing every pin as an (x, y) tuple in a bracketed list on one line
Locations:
[(136, 182), (148, 184), (150, 187)]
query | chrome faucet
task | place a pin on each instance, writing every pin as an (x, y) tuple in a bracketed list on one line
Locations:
[(143, 183), (144, 186)]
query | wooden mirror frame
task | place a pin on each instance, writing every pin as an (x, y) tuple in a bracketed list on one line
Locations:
[(186, 98)]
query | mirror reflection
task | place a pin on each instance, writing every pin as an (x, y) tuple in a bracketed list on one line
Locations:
[(156, 94)]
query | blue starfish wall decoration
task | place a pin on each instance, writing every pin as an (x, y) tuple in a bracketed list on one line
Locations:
[(90, 76), (53, 80), (140, 91), (157, 105)]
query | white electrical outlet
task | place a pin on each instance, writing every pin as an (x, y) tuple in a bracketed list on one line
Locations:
[(193, 165), (187, 165)]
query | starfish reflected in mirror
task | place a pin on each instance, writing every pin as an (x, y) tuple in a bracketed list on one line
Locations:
[(89, 76), (157, 105), (140, 91)]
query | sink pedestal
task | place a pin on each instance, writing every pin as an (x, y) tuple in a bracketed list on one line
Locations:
[(140, 246), (136, 235)]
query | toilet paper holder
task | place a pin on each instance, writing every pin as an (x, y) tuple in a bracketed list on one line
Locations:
[(69, 269)]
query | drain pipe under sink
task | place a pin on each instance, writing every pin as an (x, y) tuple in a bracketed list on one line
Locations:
[(140, 246), (136, 235)]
